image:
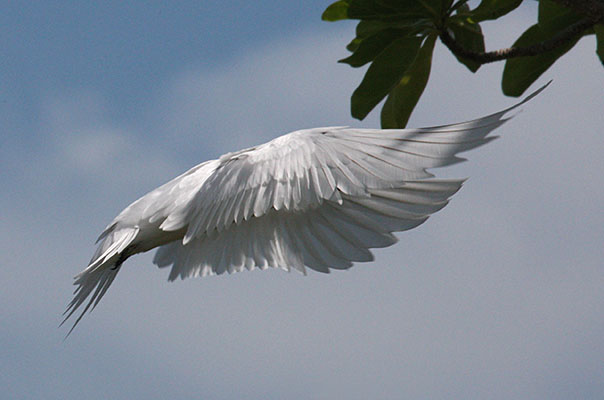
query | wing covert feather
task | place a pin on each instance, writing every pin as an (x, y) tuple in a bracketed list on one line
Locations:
[(332, 236), (299, 171)]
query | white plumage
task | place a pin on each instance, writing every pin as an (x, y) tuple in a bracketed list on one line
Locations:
[(317, 198)]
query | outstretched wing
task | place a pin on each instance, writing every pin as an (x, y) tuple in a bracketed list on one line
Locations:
[(318, 198)]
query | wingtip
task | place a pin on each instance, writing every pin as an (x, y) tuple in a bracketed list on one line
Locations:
[(536, 92)]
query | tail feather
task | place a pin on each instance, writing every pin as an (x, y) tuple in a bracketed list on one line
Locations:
[(101, 280), (94, 281)]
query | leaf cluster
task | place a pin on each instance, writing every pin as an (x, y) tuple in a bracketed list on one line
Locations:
[(397, 37)]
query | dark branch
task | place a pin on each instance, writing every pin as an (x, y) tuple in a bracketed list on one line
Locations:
[(560, 39)]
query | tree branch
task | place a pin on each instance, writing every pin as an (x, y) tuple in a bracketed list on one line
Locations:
[(561, 38)]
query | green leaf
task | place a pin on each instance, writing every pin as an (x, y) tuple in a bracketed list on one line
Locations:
[(416, 6), (404, 6), (336, 11), (437, 8), (368, 9), (553, 14), (469, 35), (403, 98), (493, 9), (373, 36), (366, 28), (599, 29), (391, 10), (383, 74), (367, 49), (520, 73), (354, 45)]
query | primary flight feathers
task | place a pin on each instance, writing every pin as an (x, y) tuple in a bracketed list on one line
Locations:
[(317, 198)]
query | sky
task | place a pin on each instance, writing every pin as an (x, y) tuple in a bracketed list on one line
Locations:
[(499, 295)]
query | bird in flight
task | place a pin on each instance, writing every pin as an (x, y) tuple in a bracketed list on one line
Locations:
[(315, 198)]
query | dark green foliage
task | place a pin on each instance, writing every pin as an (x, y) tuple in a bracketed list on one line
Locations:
[(552, 15), (468, 34), (493, 9), (405, 95), (389, 36), (397, 37), (384, 74), (368, 49), (520, 73), (599, 29), (336, 11)]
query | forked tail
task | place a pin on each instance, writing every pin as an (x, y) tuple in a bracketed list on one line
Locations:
[(101, 271)]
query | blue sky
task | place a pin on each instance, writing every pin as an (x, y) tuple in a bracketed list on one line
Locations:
[(498, 296)]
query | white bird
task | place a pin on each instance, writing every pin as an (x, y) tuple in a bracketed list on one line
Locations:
[(317, 198)]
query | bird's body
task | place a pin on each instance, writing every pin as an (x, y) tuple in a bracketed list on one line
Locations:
[(317, 198)]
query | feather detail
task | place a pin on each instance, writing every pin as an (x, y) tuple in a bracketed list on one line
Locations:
[(100, 273)]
